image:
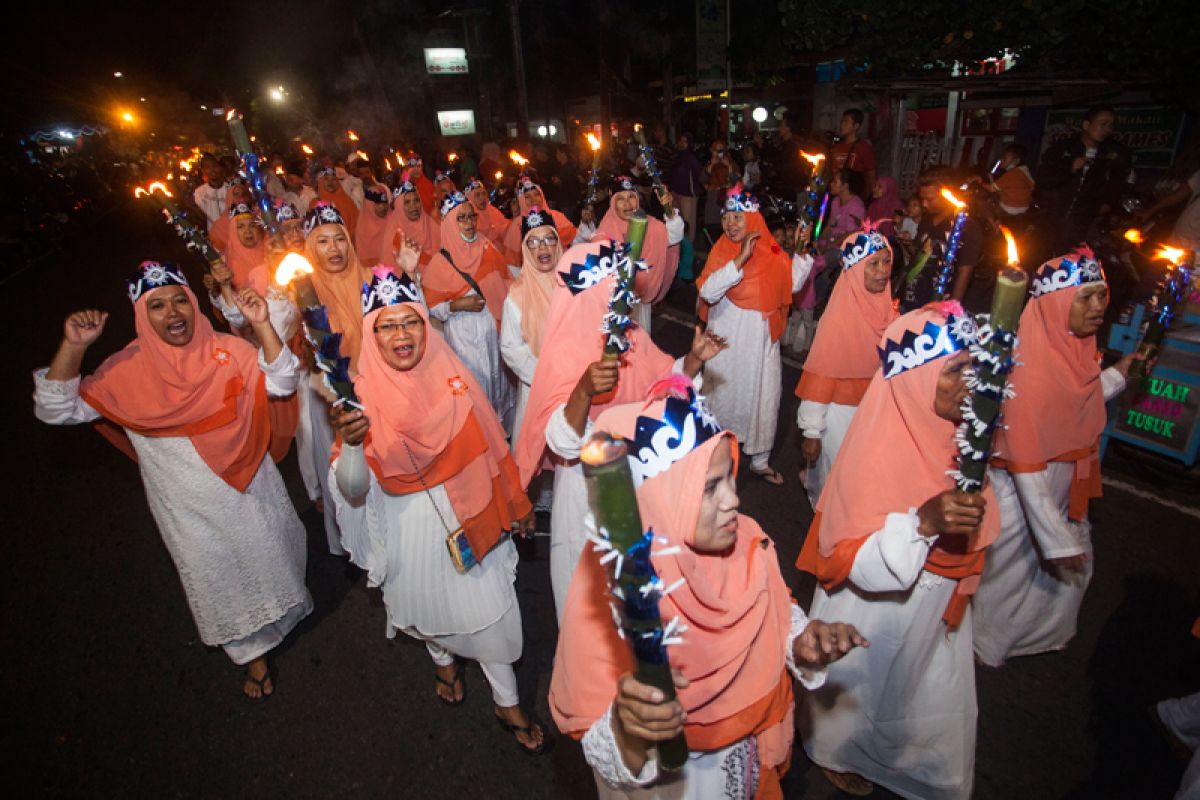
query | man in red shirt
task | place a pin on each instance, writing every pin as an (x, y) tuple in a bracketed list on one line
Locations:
[(851, 152)]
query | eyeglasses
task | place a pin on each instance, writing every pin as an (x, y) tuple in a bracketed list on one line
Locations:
[(469, 216), (390, 329), (549, 240)]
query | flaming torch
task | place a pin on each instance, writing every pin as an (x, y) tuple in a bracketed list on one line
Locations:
[(517, 158), (941, 286), (308, 151), (352, 136), (326, 345), (813, 212), (1134, 236), (195, 239), (594, 177), (1171, 292), (992, 359)]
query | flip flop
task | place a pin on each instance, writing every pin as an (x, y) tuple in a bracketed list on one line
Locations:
[(261, 683), (770, 476), (850, 783), (527, 730), (449, 684)]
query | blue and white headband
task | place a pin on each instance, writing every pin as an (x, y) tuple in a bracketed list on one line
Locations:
[(740, 200), (322, 213), (623, 183), (958, 332), (285, 211), (452, 201), (326, 171), (388, 289), (238, 209), (865, 244), (536, 218), (1077, 268), (658, 444), (472, 185), (152, 275)]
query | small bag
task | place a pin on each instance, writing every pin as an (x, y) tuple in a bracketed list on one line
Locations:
[(456, 540)]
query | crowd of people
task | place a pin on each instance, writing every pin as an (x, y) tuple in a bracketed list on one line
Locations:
[(475, 349)]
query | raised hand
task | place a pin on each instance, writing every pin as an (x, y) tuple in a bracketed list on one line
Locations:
[(747, 249), (84, 327), (252, 306), (408, 255), (706, 344)]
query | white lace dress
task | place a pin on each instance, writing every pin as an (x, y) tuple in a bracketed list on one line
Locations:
[(901, 713), (744, 380), (240, 555)]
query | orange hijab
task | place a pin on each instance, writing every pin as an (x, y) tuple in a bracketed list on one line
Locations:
[(570, 343), (479, 259), (532, 291), (492, 224), (344, 202), (423, 231), (512, 238), (652, 284), (369, 235), (341, 294), (896, 456), (735, 606), (767, 285), (209, 390), (240, 259), (1057, 409), (844, 356), (438, 410)]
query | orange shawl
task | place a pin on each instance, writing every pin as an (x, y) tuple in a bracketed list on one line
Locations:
[(767, 283), (437, 413), (896, 456)]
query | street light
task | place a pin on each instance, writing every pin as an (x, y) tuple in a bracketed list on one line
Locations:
[(277, 94), (127, 117), (760, 115), (118, 74)]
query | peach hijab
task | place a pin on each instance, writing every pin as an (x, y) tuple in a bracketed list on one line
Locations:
[(210, 390), (532, 291), (434, 424), (652, 284), (423, 230), (340, 292), (512, 237), (480, 259), (767, 283), (896, 456), (571, 341), (369, 235), (735, 605), (844, 356), (1057, 409), (241, 259)]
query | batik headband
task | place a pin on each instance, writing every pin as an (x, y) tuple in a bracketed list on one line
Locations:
[(865, 244), (322, 213), (915, 348), (536, 218), (388, 289), (152, 275), (1077, 268)]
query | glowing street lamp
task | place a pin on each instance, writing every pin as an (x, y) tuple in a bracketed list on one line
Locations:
[(277, 94)]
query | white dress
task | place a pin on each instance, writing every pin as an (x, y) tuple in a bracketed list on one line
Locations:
[(900, 713), (568, 534), (1024, 606), (473, 338), (519, 357), (829, 423), (400, 541), (744, 379), (240, 555), (730, 773)]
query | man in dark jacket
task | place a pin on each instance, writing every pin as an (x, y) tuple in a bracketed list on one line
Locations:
[(686, 182), (1083, 177)]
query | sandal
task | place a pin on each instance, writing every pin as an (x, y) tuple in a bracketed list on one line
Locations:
[(770, 475), (527, 730), (261, 683), (449, 684), (850, 783)]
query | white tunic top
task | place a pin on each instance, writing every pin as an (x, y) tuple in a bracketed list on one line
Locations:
[(519, 357), (473, 338), (902, 712), (240, 555), (744, 380), (828, 422)]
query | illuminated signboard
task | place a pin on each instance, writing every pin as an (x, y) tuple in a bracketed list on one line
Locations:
[(456, 123), (1163, 414), (445, 61)]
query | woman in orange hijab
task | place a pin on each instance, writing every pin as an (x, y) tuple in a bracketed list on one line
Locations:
[(529, 195), (660, 250), (745, 292), (193, 404), (465, 285), (844, 357), (221, 234), (492, 223), (741, 640), (373, 223), (427, 460), (408, 220), (573, 383), (1048, 466), (898, 551), (330, 190)]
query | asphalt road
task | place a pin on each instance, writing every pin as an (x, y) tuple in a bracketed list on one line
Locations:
[(107, 691)]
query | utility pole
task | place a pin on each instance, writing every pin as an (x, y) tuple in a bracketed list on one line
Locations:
[(514, 18)]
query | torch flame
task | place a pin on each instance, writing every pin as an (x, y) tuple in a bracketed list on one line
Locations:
[(593, 141), (814, 160), (279, 170), (1014, 258), (1172, 254), (387, 163), (637, 127), (954, 201), (451, 157), (186, 166), (159, 186), (293, 264), (517, 158), (139, 191), (499, 174), (1134, 235), (308, 151), (229, 115), (361, 155), (352, 136)]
